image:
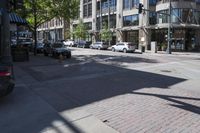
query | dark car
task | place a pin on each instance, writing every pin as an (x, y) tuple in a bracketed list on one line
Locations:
[(83, 44), (56, 49), (6, 79), (26, 42), (39, 47)]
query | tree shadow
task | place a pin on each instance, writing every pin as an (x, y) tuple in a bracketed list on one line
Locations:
[(181, 104), (73, 83)]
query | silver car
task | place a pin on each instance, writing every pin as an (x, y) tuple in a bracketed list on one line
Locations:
[(99, 45), (124, 46)]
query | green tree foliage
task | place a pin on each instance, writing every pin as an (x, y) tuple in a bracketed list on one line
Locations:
[(80, 31), (37, 12), (67, 9), (105, 33)]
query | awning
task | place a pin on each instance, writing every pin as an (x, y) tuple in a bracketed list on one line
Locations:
[(17, 19)]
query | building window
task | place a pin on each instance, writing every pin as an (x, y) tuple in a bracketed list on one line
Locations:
[(162, 16), (152, 2), (131, 20), (152, 18), (88, 25), (185, 15), (129, 4), (176, 16), (87, 8)]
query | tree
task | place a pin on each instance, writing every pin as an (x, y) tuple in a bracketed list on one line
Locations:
[(40, 11), (37, 12), (66, 9), (105, 33), (80, 31)]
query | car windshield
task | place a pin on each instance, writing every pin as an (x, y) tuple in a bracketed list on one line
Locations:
[(130, 44)]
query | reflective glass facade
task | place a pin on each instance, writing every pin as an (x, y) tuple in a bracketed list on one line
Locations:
[(132, 20)]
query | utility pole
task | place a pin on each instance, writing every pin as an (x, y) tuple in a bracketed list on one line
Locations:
[(109, 18), (169, 30), (5, 32)]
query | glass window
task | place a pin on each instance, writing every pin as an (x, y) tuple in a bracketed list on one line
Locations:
[(126, 4), (131, 20), (152, 18), (87, 8), (152, 2), (176, 16)]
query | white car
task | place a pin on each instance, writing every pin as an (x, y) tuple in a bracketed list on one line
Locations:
[(68, 43), (124, 46)]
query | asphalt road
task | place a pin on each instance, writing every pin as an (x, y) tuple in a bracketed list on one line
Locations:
[(104, 91)]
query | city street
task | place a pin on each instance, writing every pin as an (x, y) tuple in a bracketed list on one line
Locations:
[(99, 91)]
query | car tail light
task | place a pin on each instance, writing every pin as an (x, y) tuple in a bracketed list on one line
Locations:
[(2, 74), (5, 71)]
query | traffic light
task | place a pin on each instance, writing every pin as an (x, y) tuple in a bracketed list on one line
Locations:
[(140, 8)]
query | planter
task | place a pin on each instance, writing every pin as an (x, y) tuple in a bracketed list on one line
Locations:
[(20, 54)]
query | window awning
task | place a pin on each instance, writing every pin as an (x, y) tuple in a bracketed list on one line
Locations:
[(17, 19)]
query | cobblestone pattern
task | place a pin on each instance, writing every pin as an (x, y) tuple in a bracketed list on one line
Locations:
[(151, 110)]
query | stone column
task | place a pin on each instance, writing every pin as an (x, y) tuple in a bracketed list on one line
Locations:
[(94, 19), (81, 9), (119, 20)]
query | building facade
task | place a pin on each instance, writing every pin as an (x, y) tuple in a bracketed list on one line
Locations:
[(52, 30), (151, 25)]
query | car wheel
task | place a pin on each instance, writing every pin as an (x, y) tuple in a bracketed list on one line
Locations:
[(68, 56), (125, 50), (45, 53), (7, 91), (113, 49)]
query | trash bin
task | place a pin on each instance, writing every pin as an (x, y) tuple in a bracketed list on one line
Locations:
[(20, 54)]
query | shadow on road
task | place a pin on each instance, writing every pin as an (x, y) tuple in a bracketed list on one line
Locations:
[(74, 83), (181, 105)]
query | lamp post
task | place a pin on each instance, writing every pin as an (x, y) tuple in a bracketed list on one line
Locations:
[(109, 18), (169, 30)]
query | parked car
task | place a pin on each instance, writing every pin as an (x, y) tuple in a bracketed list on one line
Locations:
[(99, 45), (39, 47), (57, 49), (124, 46), (83, 44), (26, 42), (6, 79), (69, 43)]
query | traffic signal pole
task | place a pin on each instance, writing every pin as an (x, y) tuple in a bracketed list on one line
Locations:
[(140, 9), (169, 30)]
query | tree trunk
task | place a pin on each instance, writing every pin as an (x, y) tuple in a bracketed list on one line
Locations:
[(67, 30), (35, 38)]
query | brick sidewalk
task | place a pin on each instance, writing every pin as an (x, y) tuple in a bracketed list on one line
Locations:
[(150, 110)]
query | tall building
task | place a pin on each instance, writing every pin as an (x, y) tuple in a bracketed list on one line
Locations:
[(151, 25)]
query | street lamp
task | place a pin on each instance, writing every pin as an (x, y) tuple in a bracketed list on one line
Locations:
[(169, 30)]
